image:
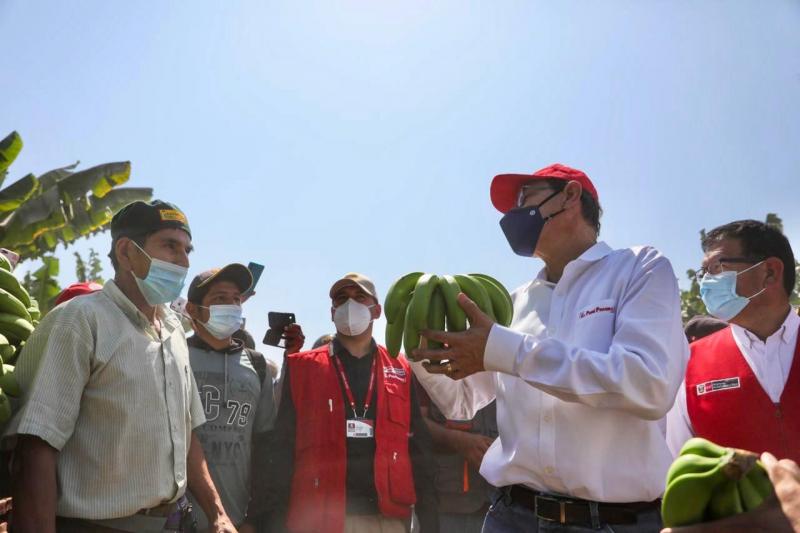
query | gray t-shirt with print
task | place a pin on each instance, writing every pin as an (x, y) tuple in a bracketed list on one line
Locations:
[(236, 405)]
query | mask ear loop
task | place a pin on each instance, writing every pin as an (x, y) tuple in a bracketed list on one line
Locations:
[(747, 270)]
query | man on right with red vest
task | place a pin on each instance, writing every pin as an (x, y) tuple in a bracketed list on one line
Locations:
[(742, 385)]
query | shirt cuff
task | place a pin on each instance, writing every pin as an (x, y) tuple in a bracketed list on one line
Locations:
[(501, 349)]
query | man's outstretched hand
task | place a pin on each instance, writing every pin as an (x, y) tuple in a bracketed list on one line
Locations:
[(463, 351)]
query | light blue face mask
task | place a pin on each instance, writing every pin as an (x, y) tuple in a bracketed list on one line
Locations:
[(163, 282), (223, 320), (718, 292)]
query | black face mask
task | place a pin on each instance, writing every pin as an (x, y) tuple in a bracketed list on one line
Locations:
[(523, 225)]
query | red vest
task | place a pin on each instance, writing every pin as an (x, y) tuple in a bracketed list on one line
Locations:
[(317, 502), (727, 404)]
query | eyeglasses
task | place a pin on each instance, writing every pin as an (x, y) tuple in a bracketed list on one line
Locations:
[(529, 190), (717, 266)]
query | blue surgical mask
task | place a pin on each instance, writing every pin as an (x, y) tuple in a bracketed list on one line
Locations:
[(718, 292), (163, 282), (223, 320), (522, 226)]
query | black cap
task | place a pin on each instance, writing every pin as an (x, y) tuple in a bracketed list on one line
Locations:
[(142, 218), (700, 326), (235, 273)]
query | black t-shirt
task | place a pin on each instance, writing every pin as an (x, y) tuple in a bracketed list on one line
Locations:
[(361, 495)]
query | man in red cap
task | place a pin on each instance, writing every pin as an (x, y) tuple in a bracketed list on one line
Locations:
[(77, 289), (592, 360)]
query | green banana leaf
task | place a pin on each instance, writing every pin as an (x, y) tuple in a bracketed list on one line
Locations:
[(119, 198), (100, 180), (51, 177), (44, 285), (18, 192), (10, 147)]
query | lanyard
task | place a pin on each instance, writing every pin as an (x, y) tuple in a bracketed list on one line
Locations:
[(349, 393)]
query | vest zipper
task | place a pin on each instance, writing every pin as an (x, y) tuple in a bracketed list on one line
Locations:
[(316, 482), (779, 416), (394, 457)]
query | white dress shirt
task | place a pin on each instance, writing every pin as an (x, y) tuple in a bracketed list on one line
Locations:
[(588, 367), (770, 361)]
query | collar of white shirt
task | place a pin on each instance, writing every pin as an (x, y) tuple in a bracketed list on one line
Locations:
[(574, 268), (785, 334)]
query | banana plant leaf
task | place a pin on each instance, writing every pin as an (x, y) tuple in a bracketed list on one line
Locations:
[(51, 177), (44, 284), (18, 192), (10, 147), (116, 199), (100, 180)]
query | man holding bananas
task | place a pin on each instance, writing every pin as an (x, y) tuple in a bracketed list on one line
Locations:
[(105, 437), (592, 360)]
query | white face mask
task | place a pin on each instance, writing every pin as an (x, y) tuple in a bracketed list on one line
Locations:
[(224, 320), (352, 318)]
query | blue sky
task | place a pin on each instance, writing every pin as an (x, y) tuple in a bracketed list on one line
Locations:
[(320, 137)]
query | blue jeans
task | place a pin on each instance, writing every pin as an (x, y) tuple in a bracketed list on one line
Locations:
[(458, 523), (507, 517)]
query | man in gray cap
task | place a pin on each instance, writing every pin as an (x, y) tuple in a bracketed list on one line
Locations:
[(235, 386), (351, 451), (104, 440)]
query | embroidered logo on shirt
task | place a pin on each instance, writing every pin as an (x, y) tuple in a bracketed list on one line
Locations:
[(598, 309), (717, 385), (390, 372)]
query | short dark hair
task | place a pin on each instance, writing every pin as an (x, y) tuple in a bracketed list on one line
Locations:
[(139, 239), (758, 240), (590, 209)]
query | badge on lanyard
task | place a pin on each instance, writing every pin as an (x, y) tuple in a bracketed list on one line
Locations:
[(358, 427)]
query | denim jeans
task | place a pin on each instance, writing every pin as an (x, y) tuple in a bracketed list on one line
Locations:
[(507, 517)]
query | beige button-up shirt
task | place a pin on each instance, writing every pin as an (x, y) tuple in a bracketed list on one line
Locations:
[(117, 399)]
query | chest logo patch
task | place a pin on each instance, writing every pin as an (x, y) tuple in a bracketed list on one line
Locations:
[(717, 385), (390, 372), (597, 309)]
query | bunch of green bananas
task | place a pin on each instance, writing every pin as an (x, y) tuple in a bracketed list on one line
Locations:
[(420, 301), (708, 482), (18, 314)]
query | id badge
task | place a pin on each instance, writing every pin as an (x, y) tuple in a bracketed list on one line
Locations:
[(360, 428)]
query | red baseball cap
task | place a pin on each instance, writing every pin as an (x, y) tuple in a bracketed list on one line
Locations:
[(77, 289), (505, 187)]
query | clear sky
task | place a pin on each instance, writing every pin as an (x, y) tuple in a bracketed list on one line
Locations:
[(320, 137)]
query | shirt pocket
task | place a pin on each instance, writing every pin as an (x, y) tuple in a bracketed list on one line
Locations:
[(594, 325)]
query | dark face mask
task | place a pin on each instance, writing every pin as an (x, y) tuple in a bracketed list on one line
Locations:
[(523, 225)]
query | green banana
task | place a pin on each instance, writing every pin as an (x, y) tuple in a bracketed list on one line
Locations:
[(5, 264), (11, 284), (394, 337), (751, 497), (421, 301), (15, 328), (456, 318), (759, 478), (5, 407), (11, 305), (501, 304), (687, 497), (475, 291), (436, 316), (34, 313), (725, 501), (398, 296), (690, 464), (700, 446), (8, 352), (410, 335), (8, 381)]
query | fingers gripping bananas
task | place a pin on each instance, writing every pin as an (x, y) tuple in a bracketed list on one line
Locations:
[(420, 301)]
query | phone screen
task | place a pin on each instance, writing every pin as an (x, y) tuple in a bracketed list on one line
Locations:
[(256, 270)]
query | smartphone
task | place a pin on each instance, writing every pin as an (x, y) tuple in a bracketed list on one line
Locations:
[(256, 270), (277, 322)]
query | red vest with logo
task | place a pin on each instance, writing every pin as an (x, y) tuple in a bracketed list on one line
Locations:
[(727, 405), (317, 501)]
